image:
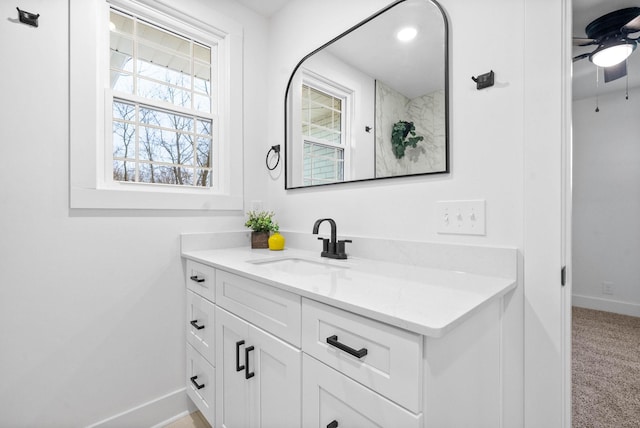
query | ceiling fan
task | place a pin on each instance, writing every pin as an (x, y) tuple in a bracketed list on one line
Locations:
[(610, 33)]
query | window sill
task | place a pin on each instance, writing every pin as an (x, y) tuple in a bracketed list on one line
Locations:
[(141, 200)]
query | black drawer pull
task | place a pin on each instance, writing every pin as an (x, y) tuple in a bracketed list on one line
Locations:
[(193, 381), (247, 373), (238, 366), (195, 324), (333, 341), (196, 279), (333, 424)]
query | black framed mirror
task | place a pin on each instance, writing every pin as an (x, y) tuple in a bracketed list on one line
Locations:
[(373, 103)]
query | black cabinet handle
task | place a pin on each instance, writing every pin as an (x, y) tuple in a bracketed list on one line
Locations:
[(238, 366), (193, 381), (196, 279), (333, 341), (247, 373), (333, 424), (195, 324)]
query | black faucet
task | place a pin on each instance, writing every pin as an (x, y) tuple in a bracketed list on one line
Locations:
[(333, 249)]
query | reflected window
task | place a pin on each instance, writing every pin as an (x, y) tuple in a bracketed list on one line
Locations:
[(323, 135)]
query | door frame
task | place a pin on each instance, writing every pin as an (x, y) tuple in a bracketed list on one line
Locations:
[(547, 213)]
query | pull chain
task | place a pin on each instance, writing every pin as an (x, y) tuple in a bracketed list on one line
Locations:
[(597, 87), (627, 79)]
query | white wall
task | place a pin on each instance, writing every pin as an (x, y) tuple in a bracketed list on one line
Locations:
[(606, 201), (486, 129), (507, 147), (91, 302), (486, 143)]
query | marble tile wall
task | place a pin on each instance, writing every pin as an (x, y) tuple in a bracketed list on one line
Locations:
[(428, 115)]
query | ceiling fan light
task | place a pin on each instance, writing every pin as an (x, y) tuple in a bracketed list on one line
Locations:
[(612, 55)]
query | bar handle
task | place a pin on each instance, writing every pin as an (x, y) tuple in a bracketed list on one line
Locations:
[(196, 279), (358, 353), (247, 373), (333, 424), (195, 324), (196, 384), (238, 366)]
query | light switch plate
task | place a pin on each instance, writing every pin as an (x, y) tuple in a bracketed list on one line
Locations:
[(461, 217)]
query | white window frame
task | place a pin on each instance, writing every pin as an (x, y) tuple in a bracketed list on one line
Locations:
[(330, 87), (91, 183)]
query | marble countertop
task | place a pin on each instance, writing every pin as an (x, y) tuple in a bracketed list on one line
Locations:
[(424, 300)]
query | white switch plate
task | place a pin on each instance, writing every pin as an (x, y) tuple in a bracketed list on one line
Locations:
[(461, 217), (256, 205)]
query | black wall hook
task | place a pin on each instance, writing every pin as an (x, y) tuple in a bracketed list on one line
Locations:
[(484, 80), (28, 17)]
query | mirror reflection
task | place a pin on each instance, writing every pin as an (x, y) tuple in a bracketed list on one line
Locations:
[(372, 103)]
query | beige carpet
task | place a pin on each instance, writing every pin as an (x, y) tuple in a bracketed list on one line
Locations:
[(606, 370)]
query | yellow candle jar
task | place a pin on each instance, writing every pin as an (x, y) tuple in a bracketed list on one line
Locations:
[(276, 242)]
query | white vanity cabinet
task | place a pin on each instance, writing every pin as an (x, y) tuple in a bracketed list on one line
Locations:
[(258, 382), (348, 348), (258, 378), (200, 328), (362, 373)]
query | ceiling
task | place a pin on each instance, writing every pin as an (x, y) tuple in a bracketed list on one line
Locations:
[(265, 8), (584, 72)]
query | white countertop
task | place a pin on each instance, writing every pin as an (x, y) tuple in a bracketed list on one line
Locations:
[(424, 300)]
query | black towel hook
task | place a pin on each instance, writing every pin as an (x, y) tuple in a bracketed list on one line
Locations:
[(28, 17)]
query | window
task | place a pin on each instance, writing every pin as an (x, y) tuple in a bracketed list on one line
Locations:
[(162, 128), (323, 136), (162, 102)]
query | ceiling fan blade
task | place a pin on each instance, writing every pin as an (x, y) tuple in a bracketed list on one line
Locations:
[(583, 41), (632, 26), (615, 72), (581, 56)]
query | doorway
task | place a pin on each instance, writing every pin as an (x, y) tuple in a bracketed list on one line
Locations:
[(605, 235)]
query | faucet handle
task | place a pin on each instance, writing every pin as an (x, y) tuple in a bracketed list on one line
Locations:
[(325, 244), (340, 248)]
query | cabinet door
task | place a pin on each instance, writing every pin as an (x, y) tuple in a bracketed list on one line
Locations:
[(275, 389), (232, 388), (330, 399)]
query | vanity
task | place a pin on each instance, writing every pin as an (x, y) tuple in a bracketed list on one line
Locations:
[(292, 339)]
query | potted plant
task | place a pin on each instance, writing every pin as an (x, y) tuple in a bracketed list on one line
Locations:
[(261, 223), (403, 134)]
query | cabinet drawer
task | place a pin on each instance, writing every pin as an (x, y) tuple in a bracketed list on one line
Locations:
[(392, 365), (201, 383), (200, 325), (200, 279), (274, 310), (330, 396)]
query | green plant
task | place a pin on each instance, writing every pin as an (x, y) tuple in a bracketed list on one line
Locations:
[(400, 138), (261, 221)]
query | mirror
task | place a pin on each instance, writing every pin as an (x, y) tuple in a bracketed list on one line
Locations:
[(368, 105)]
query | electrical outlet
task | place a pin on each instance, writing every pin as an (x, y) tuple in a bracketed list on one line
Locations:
[(607, 288), (461, 217)]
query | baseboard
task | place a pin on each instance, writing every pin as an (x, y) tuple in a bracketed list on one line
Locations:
[(155, 413), (599, 304)]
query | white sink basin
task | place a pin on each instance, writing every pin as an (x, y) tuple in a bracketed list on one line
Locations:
[(299, 266)]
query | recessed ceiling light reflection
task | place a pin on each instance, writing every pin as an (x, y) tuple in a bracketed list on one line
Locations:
[(407, 34)]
